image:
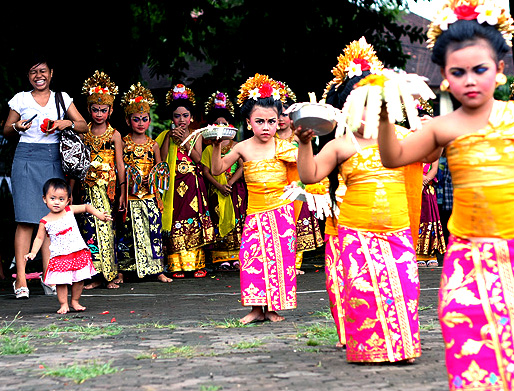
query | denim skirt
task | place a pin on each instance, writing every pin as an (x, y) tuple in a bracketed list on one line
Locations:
[(32, 166)]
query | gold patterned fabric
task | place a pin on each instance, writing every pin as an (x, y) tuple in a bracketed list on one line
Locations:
[(481, 164), (266, 178), (140, 242)]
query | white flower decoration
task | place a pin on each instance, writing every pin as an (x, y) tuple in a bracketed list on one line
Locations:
[(254, 94), (276, 94), (353, 70), (488, 13), (445, 18)]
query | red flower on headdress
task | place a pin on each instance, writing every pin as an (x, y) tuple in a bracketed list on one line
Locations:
[(465, 12), (138, 99), (365, 65), (266, 90)]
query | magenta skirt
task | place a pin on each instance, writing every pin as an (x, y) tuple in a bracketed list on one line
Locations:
[(267, 259), (476, 311), (381, 293)]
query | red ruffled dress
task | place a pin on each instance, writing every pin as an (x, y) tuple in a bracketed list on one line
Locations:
[(70, 258)]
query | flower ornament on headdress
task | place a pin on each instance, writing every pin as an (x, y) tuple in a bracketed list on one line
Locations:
[(260, 86), (100, 89), (287, 92), (180, 91), (357, 57), (137, 99), (483, 11), (219, 100)]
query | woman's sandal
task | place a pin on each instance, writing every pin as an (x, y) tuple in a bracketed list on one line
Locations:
[(200, 273), (179, 275), (22, 292), (422, 264), (432, 263)]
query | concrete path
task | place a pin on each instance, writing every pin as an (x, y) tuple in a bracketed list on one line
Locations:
[(184, 336)]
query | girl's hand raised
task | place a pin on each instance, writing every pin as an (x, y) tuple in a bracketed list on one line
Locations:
[(305, 136)]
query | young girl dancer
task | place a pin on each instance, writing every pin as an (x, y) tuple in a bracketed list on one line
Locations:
[(268, 245), (140, 241), (187, 226), (476, 303), (99, 186), (70, 259), (381, 286), (227, 195)]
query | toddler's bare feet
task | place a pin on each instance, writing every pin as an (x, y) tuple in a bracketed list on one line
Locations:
[(255, 315), (272, 316), (64, 309), (76, 306), (112, 285)]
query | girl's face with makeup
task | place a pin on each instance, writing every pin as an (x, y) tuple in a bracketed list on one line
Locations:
[(139, 122), (471, 72), (263, 121)]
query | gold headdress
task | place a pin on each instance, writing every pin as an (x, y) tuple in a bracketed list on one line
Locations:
[(260, 86), (180, 91), (357, 57), (287, 92), (137, 99), (483, 11), (100, 89), (219, 100)]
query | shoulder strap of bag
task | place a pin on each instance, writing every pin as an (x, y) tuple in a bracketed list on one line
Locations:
[(59, 101)]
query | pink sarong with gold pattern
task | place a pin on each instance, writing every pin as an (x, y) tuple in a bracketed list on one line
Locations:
[(268, 243), (476, 298), (381, 284)]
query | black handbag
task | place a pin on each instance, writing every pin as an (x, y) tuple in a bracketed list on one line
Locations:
[(75, 155)]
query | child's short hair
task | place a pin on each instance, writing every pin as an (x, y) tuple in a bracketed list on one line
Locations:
[(57, 184)]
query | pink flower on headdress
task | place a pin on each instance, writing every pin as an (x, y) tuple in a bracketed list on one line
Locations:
[(220, 101), (465, 12), (365, 65), (179, 92)]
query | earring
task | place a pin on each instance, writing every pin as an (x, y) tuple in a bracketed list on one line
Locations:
[(249, 127), (501, 79), (445, 85)]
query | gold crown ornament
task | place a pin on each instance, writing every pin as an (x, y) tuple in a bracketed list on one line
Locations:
[(260, 86), (487, 12), (357, 57), (180, 91), (219, 100), (137, 99), (100, 89)]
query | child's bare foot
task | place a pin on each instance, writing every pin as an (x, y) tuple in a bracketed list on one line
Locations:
[(272, 316), (76, 306), (93, 285), (162, 278), (64, 309), (111, 285), (119, 280), (255, 315), (298, 272), (340, 345)]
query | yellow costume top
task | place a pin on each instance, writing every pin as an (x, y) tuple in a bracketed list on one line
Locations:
[(376, 197), (102, 170), (482, 168), (266, 178), (140, 157)]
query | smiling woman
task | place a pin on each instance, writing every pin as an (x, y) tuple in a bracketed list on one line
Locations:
[(37, 157)]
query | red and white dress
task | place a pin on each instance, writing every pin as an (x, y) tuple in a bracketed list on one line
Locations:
[(70, 258)]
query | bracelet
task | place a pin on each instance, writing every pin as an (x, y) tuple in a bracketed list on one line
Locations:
[(14, 127), (122, 183)]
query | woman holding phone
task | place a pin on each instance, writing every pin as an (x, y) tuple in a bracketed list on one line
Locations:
[(33, 115)]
